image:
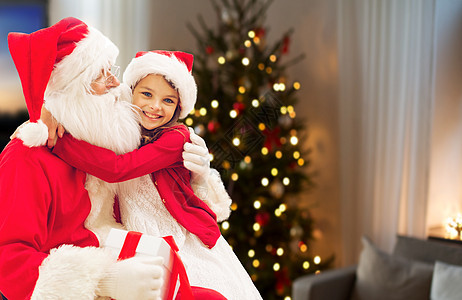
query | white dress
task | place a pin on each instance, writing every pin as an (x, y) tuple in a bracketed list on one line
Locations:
[(218, 268)]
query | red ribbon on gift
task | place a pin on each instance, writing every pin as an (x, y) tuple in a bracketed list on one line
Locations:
[(178, 270)]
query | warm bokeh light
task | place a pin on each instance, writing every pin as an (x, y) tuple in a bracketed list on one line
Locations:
[(234, 177), (214, 104), (257, 204)]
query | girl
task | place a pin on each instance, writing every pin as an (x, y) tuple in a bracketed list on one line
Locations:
[(162, 202)]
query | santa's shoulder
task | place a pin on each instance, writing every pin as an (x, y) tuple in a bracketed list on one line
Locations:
[(17, 155)]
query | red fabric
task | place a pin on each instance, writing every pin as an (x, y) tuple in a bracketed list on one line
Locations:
[(200, 293), (129, 247), (184, 57), (43, 205), (35, 55), (117, 210), (163, 159), (178, 270)]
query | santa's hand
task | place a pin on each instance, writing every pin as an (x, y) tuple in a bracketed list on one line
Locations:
[(54, 129), (133, 278), (196, 158)]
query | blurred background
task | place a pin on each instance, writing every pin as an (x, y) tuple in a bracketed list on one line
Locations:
[(377, 121)]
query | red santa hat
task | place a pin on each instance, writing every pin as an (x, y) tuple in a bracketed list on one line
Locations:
[(63, 58), (175, 66)]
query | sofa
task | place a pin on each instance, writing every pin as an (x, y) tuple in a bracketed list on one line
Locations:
[(416, 269)]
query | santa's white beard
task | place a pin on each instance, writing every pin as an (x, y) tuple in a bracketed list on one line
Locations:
[(108, 120)]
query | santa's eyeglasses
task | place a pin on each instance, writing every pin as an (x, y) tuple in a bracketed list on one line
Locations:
[(108, 79)]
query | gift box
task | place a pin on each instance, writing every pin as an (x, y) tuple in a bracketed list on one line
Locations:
[(128, 244)]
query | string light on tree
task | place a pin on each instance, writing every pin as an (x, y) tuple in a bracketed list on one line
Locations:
[(278, 154), (274, 172), (221, 60), (225, 225), (317, 260), (296, 154), (280, 251), (214, 104), (276, 267), (257, 204), (234, 177), (294, 140), (251, 253)]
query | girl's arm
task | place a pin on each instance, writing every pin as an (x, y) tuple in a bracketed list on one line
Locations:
[(108, 166)]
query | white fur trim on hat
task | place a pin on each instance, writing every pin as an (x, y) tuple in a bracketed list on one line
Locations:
[(172, 69), (33, 134), (75, 72)]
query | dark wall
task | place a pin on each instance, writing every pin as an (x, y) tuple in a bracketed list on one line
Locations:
[(8, 124)]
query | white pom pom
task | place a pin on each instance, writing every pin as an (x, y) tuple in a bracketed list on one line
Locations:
[(34, 134)]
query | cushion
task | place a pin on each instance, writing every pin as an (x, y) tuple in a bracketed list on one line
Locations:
[(428, 250), (382, 276), (446, 283)]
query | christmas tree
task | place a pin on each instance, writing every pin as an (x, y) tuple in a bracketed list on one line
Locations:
[(245, 112)]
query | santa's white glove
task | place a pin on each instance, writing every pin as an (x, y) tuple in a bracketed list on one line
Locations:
[(197, 159), (133, 278)]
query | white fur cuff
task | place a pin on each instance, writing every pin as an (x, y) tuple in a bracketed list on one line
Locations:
[(72, 273), (216, 196)]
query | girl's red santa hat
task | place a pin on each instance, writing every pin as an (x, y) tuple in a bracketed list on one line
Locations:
[(61, 59), (175, 66)]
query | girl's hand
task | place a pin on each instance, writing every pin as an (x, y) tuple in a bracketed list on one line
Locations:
[(54, 129)]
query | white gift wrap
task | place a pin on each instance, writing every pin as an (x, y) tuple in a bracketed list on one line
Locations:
[(148, 245)]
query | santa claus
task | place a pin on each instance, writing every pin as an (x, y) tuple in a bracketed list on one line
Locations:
[(55, 217)]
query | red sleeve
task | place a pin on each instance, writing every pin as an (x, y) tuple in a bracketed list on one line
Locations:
[(108, 166), (24, 201)]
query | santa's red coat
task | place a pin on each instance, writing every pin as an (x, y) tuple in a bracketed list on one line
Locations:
[(43, 205)]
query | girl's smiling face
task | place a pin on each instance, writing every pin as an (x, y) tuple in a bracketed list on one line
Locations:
[(157, 100)]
